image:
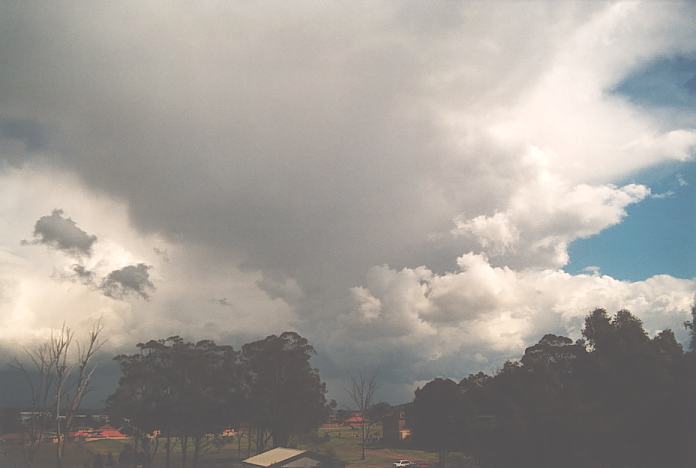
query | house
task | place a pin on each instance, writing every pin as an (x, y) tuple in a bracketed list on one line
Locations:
[(109, 432), (354, 419), (105, 432), (282, 457), (394, 427), (14, 438)]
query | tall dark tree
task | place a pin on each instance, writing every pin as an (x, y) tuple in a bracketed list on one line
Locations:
[(631, 382), (285, 394), (144, 398), (181, 389), (615, 398), (436, 415)]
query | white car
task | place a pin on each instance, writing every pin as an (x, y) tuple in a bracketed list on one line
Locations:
[(403, 464)]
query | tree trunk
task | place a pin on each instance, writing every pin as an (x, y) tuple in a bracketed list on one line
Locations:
[(151, 456), (184, 450), (259, 440), (196, 450), (61, 438), (363, 437), (135, 449), (59, 455), (280, 439), (169, 450), (248, 441), (59, 451)]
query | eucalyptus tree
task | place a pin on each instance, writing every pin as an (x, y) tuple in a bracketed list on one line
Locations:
[(177, 389), (285, 394)]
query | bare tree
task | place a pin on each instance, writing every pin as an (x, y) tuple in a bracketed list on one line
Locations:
[(59, 345), (57, 380), (361, 392), (38, 372), (69, 392)]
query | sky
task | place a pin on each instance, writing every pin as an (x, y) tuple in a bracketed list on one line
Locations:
[(420, 189)]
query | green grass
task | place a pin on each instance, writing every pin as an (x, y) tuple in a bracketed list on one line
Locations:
[(346, 447)]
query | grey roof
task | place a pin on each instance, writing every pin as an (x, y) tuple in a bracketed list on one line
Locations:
[(274, 456)]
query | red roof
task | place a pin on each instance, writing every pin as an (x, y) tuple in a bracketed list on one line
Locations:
[(109, 432), (13, 437), (355, 419), (104, 432)]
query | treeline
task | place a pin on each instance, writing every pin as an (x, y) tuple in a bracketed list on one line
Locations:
[(615, 398), (173, 391)]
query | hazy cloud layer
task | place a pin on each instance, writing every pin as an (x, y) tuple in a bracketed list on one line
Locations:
[(269, 156)]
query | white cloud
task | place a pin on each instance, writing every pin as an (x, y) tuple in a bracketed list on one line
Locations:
[(681, 181), (544, 216), (570, 112), (482, 310)]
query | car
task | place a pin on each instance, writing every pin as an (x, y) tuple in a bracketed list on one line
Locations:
[(403, 464)]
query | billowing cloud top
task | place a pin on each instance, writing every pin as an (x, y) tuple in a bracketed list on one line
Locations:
[(399, 182)]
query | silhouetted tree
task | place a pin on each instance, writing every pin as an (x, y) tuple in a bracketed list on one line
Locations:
[(437, 417), (615, 398), (184, 390), (285, 394)]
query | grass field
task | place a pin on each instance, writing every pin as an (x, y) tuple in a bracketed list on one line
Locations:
[(344, 443)]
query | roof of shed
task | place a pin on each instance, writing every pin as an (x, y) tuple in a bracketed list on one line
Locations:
[(276, 455)]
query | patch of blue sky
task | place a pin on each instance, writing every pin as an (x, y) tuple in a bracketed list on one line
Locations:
[(667, 82), (659, 234)]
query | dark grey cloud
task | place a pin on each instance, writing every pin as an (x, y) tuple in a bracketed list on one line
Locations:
[(221, 301), (321, 151), (28, 132), (129, 280), (62, 233), (82, 274), (162, 253), (78, 273)]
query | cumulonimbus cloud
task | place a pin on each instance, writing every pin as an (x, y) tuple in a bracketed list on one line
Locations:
[(278, 152)]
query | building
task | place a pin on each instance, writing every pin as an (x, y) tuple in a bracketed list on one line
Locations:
[(104, 432), (282, 457), (28, 416), (353, 420), (394, 427)]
